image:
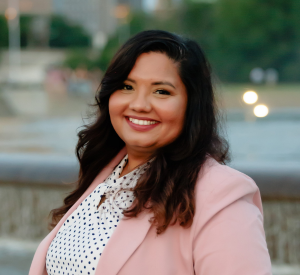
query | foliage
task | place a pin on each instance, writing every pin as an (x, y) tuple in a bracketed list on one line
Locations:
[(66, 35), (3, 32), (257, 33), (240, 35), (25, 22), (62, 33), (24, 30), (197, 21)]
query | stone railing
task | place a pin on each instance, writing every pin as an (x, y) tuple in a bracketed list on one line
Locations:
[(31, 186)]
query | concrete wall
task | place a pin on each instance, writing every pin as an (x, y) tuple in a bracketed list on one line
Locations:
[(29, 189), (282, 227), (25, 208)]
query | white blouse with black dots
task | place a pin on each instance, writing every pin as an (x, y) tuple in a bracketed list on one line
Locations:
[(80, 241)]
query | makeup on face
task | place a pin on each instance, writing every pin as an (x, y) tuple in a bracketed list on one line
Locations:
[(149, 110)]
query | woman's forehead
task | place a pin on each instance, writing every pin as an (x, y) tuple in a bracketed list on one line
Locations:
[(154, 66)]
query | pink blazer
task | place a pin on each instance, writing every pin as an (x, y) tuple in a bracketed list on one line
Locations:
[(226, 238)]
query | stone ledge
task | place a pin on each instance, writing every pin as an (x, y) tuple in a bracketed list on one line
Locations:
[(281, 269), (41, 169), (278, 180)]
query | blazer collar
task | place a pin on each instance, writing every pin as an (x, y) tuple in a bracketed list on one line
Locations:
[(126, 238)]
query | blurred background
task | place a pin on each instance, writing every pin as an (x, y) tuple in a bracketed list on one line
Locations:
[(53, 54)]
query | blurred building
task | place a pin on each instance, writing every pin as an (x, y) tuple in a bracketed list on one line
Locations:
[(133, 4), (95, 16), (40, 7)]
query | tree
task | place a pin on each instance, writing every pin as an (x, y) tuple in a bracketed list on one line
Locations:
[(3, 32), (257, 33), (25, 22), (197, 21), (66, 35)]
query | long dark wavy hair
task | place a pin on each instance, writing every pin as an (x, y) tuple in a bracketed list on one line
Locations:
[(167, 187)]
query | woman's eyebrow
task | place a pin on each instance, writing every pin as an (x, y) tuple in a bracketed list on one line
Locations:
[(163, 83), (156, 83)]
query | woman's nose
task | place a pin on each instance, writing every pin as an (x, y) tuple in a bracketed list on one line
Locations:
[(140, 103)]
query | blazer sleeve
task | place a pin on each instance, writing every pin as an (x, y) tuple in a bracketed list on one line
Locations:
[(229, 236)]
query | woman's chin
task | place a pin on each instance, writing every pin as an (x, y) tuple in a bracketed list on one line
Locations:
[(142, 145)]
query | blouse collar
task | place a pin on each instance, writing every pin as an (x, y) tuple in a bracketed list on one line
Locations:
[(128, 180)]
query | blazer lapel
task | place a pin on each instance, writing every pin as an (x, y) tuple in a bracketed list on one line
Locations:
[(38, 266), (126, 238)]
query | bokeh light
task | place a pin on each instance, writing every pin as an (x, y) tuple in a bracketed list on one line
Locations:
[(261, 110), (250, 97), (121, 11), (10, 13)]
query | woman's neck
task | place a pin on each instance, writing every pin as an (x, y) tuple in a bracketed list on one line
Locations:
[(135, 159)]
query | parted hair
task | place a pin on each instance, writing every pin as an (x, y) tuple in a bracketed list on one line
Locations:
[(167, 186)]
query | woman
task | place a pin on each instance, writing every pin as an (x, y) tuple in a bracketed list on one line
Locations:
[(153, 187)]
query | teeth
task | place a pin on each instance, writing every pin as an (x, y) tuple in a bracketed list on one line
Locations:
[(142, 122)]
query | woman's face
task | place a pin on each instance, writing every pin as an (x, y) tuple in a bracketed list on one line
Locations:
[(148, 113)]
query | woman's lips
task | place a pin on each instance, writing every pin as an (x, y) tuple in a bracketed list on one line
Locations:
[(141, 128)]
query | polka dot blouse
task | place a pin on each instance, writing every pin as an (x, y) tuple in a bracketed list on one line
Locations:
[(80, 241)]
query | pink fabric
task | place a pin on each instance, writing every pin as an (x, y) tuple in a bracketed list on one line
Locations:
[(227, 235)]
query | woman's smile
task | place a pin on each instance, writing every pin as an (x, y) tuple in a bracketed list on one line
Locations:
[(141, 124)]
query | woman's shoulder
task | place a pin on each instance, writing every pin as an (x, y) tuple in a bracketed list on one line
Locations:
[(228, 222), (219, 185), (216, 175)]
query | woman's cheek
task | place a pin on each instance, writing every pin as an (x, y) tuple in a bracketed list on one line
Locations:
[(114, 112), (171, 113), (115, 104)]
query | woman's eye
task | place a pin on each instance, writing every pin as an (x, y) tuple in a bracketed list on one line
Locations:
[(127, 87), (162, 92)]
